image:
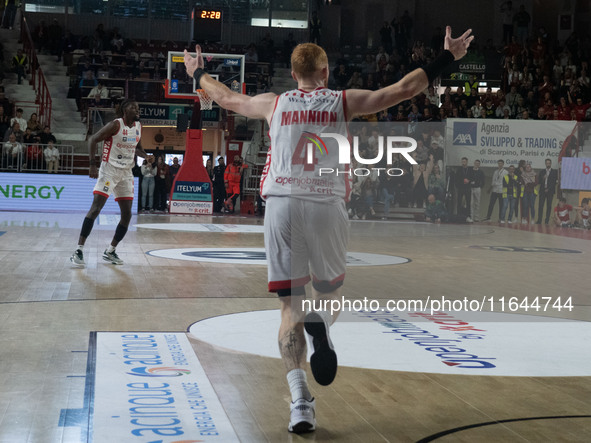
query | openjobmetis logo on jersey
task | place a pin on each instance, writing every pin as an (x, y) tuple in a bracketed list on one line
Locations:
[(390, 147)]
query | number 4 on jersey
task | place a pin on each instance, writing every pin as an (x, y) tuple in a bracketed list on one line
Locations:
[(306, 151)]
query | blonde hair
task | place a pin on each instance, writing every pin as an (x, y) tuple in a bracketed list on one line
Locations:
[(307, 58)]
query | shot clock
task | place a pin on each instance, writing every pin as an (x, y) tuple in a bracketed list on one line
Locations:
[(206, 25)]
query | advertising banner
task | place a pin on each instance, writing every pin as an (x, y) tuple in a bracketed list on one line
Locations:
[(576, 174), (52, 192), (491, 140)]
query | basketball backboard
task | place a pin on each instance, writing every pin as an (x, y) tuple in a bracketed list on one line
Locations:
[(226, 68)]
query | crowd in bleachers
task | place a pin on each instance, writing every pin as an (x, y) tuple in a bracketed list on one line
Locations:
[(541, 80)]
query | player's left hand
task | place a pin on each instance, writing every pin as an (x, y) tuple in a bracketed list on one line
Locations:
[(194, 63), (457, 46)]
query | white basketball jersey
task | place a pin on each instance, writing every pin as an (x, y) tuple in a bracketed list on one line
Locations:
[(299, 159), (119, 150)]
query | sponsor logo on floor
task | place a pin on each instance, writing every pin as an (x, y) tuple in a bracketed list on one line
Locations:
[(204, 227), (466, 343), (151, 387), (257, 256), (527, 249)]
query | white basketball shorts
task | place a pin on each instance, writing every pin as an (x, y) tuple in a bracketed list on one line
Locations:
[(118, 181), (303, 240)]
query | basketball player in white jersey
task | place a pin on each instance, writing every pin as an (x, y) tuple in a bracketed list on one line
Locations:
[(121, 139), (306, 224)]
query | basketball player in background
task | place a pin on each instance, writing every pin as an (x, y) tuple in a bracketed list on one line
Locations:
[(121, 139), (306, 223)]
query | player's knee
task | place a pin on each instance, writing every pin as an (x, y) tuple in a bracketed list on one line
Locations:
[(325, 287), (94, 212)]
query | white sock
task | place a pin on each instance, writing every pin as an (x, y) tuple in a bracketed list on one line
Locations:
[(298, 384), (81, 247), (326, 316), (110, 249)]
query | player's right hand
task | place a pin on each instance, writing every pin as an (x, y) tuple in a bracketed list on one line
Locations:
[(457, 46), (193, 63), (93, 172)]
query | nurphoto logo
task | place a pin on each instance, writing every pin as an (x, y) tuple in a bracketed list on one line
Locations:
[(388, 146)]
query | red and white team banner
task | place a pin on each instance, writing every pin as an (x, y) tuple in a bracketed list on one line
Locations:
[(151, 387), (490, 140)]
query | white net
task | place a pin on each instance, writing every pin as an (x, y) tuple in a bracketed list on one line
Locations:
[(205, 100)]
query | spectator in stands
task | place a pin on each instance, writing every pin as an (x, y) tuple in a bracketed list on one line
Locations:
[(33, 124), (436, 183), (507, 13), (19, 65), (463, 178), (122, 71), (4, 121), (288, 44), (142, 70), (476, 183), (251, 55), (40, 36), (6, 103), (496, 190), (387, 192), (529, 181), (19, 119), (9, 14), (420, 180), (510, 193), (46, 136), (29, 137), (367, 198), (522, 19), (117, 43), (162, 185), (219, 188), (209, 168), (582, 218), (11, 152), (562, 214), (149, 171), (580, 109), (34, 157), (52, 158), (386, 37), (341, 77), (355, 82), (547, 179), (86, 83), (99, 90), (174, 169), (436, 149), (368, 65), (435, 211), (54, 35), (503, 108), (16, 130)]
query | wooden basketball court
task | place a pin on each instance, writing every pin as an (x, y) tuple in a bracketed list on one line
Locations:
[(48, 310)]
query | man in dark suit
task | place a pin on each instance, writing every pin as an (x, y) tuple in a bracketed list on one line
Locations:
[(547, 179)]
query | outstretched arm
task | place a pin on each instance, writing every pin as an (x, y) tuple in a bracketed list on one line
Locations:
[(259, 106), (361, 102)]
